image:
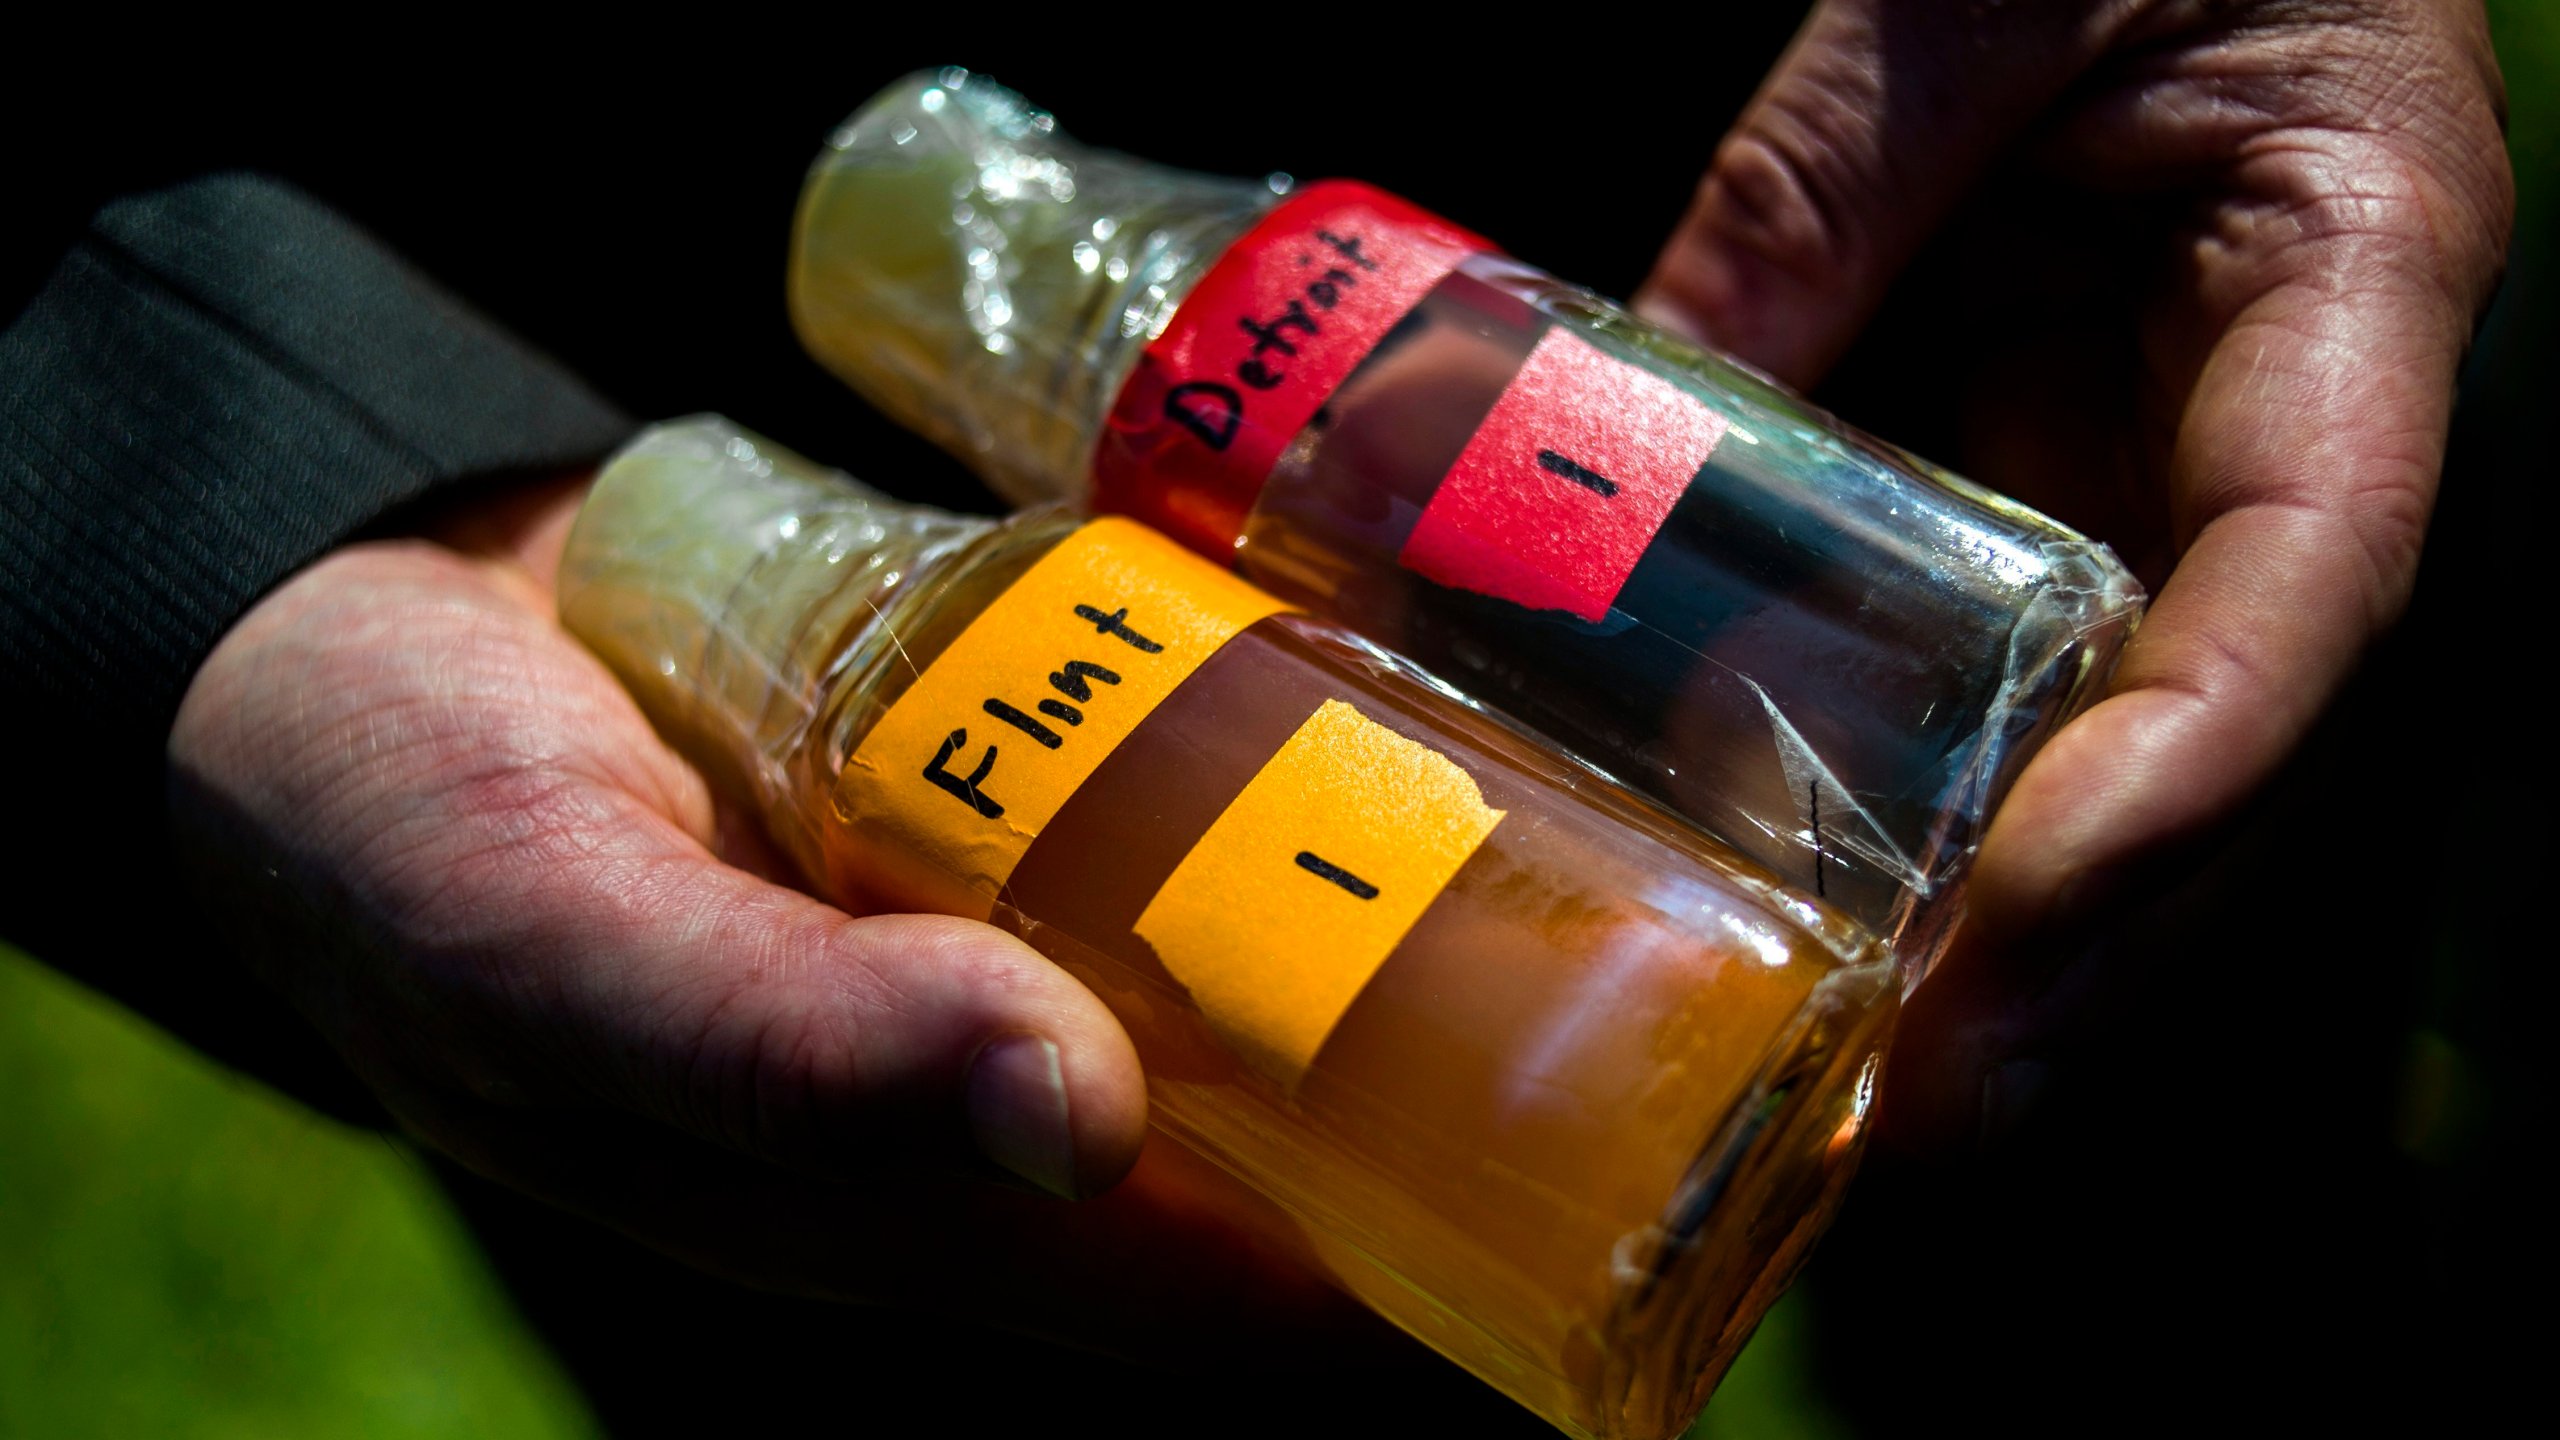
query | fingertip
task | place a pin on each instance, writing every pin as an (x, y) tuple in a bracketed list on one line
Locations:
[(1023, 1117), (760, 1020), (2139, 775), (1019, 1113), (2100, 816), (1050, 1086)]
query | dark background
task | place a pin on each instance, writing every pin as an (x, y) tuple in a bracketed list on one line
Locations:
[(2279, 1175)]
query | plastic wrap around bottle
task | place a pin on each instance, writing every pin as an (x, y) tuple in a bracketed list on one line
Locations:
[(1553, 1081), (1832, 655)]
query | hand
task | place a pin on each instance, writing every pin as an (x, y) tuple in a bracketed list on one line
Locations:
[(443, 830), (2225, 262)]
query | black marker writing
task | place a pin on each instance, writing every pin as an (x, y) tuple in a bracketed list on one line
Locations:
[(1111, 625), (1349, 245), (1024, 723), (1582, 475), (1206, 409), (967, 790), (1327, 292), (1310, 861), (1074, 680), (1212, 411), (1268, 337), (1070, 681)]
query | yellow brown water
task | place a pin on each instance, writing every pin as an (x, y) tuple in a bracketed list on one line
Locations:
[(1574, 1128)]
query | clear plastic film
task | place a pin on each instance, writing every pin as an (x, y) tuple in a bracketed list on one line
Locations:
[(730, 583), (1019, 266), (1560, 1085), (1830, 654)]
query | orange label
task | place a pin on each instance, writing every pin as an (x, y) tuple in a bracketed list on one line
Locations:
[(953, 784), (1309, 879)]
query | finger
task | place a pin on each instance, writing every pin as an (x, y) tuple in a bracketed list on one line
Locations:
[(1874, 124), (2305, 466), (398, 755), (753, 1017), (2328, 305), (1178, 1262), (2244, 647)]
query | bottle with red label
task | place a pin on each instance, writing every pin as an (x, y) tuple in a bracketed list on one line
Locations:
[(1559, 1085), (1833, 656)]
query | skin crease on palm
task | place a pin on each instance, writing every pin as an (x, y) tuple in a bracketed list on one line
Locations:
[(439, 827)]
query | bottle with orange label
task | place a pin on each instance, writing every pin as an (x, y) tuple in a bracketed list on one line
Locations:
[(1547, 1077), (1832, 655)]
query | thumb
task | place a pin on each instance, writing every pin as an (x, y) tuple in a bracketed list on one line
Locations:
[(1874, 124), (754, 1017)]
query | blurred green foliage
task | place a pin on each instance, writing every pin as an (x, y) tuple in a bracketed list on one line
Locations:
[(183, 1253), (2528, 35), (1770, 1393)]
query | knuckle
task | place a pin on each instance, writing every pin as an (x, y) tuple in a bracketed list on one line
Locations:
[(815, 1040), (770, 1076), (936, 980), (1783, 185)]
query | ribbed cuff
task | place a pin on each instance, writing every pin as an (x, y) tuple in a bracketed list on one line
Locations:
[(219, 382)]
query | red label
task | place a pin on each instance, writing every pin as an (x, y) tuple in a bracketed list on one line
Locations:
[(1254, 350), (1555, 499)]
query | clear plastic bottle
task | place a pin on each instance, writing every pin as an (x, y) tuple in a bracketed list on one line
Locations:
[(1831, 654), (1548, 1078)]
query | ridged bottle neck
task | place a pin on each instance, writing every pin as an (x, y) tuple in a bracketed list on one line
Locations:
[(990, 282), (735, 587)]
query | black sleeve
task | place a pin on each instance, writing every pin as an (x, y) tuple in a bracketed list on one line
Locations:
[(220, 381)]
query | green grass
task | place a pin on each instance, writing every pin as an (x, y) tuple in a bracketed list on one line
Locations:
[(183, 1253)]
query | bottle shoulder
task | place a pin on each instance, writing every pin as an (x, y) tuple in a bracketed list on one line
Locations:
[(888, 650)]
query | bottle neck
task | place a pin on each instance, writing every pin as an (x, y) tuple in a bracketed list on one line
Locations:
[(922, 620), (987, 281), (733, 586)]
